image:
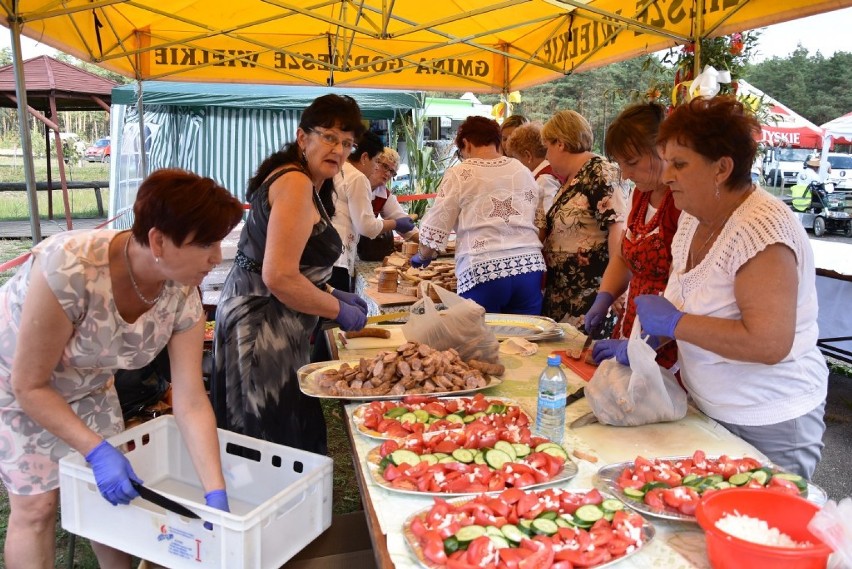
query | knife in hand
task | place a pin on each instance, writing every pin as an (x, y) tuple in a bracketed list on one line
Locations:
[(166, 503)]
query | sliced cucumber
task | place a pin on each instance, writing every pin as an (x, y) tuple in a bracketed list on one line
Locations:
[(691, 480), (440, 455), (408, 418), (561, 522), (496, 458), (521, 450), (403, 456), (422, 416), (548, 515), (723, 485), (463, 455), (499, 541), (558, 452), (542, 446), (611, 505), (469, 533), (740, 478), (651, 485), (800, 482), (451, 544), (507, 448), (468, 419), (544, 526), (479, 458), (635, 493), (609, 516), (429, 458), (447, 459), (493, 530), (760, 475), (588, 513), (453, 418), (525, 526), (512, 533), (478, 414), (396, 412), (714, 479), (495, 408)]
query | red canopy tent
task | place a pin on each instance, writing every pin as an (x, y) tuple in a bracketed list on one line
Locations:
[(789, 129)]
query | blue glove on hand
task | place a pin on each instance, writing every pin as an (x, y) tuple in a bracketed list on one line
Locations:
[(658, 316), (216, 499), (113, 474), (404, 225), (596, 314), (350, 298), (351, 317), (417, 261), (606, 349)]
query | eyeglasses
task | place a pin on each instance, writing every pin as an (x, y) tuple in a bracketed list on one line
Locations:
[(388, 169), (332, 140)]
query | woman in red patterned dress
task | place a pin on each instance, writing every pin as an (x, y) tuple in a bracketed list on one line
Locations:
[(645, 257)]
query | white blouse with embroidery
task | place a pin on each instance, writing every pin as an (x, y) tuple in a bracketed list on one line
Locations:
[(491, 205)]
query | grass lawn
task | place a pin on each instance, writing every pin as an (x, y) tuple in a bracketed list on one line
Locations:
[(346, 497)]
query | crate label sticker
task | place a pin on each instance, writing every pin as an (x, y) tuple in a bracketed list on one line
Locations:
[(183, 544)]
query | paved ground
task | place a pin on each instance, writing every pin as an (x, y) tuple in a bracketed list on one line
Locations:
[(833, 473)]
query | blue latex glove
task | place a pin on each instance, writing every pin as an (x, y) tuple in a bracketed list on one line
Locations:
[(658, 316), (606, 349), (417, 261), (596, 314), (350, 298), (404, 225), (113, 474), (216, 499), (351, 317)]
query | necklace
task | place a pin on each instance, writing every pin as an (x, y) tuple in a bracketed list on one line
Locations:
[(719, 225), (142, 297)]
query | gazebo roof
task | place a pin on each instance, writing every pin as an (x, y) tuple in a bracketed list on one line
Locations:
[(72, 87)]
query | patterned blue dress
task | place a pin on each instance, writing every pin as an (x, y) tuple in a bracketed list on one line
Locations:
[(260, 343)]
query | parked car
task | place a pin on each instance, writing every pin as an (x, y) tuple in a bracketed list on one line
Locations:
[(841, 170), (99, 151), (782, 166)]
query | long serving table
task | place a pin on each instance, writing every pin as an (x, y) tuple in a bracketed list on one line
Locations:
[(676, 545)]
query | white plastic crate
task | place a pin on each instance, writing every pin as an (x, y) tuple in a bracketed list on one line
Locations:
[(280, 501)]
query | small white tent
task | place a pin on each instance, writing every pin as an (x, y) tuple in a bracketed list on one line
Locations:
[(837, 130)]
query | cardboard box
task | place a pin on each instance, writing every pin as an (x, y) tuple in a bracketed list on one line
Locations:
[(345, 545)]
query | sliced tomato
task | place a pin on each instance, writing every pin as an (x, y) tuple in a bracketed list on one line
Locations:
[(404, 483), (592, 497), (436, 409), (527, 504), (371, 420), (388, 447), (618, 546), (418, 528), (433, 547), (581, 558), (654, 498), (417, 399), (541, 557), (481, 551), (786, 486), (562, 565), (512, 556), (391, 473), (524, 480), (512, 495), (445, 446), (498, 506)]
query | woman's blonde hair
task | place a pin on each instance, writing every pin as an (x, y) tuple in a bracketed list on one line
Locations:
[(571, 129), (389, 155), (526, 138)]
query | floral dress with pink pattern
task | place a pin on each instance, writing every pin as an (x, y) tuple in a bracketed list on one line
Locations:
[(76, 266)]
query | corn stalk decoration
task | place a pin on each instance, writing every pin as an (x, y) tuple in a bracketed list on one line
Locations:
[(425, 173)]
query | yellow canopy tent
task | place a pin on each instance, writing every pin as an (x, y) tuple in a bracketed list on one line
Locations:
[(450, 45), (446, 45)]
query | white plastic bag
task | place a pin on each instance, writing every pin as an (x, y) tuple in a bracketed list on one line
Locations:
[(461, 326), (641, 394), (833, 525)]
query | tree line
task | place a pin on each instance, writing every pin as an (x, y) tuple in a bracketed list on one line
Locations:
[(817, 87)]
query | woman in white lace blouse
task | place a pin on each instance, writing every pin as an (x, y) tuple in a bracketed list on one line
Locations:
[(741, 298), (490, 200)]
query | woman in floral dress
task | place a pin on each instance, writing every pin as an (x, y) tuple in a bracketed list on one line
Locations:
[(642, 264), (84, 305), (583, 227)]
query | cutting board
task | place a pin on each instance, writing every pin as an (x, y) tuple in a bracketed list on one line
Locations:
[(580, 367), (397, 338), (388, 298)]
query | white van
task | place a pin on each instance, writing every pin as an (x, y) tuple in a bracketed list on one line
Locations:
[(782, 166)]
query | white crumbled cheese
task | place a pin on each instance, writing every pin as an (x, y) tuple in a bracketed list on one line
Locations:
[(755, 530)]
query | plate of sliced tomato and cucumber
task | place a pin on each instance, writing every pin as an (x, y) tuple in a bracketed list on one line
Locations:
[(426, 414), (458, 463), (671, 487), (550, 528)]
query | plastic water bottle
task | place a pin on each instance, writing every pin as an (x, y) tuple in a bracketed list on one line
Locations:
[(552, 395)]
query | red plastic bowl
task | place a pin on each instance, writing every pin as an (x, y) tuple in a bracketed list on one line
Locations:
[(789, 514)]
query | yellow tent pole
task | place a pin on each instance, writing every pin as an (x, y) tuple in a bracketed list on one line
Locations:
[(23, 124), (698, 32)]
